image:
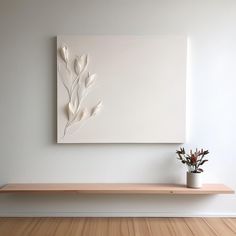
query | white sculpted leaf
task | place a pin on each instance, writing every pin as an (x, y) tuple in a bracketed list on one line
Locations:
[(75, 104), (89, 81), (83, 114), (80, 64), (77, 66), (64, 52), (71, 110), (95, 110)]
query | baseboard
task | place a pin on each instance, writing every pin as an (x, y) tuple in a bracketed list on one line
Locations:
[(113, 214)]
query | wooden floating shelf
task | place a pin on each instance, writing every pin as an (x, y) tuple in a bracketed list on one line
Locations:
[(104, 188)]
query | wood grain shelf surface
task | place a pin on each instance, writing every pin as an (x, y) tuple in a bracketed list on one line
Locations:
[(113, 188)]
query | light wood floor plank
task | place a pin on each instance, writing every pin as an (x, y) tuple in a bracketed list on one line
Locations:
[(199, 227), (159, 226), (121, 226), (221, 226), (45, 227), (231, 223), (117, 226), (179, 227)]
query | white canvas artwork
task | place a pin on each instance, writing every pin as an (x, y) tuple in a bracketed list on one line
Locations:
[(121, 89)]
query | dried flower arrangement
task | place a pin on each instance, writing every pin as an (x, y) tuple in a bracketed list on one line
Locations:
[(77, 83), (193, 160)]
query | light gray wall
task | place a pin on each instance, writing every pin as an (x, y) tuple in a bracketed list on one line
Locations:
[(29, 152)]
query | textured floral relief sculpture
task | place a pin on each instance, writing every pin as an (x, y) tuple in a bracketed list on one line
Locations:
[(77, 82)]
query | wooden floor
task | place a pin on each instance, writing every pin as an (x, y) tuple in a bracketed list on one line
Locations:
[(117, 226)]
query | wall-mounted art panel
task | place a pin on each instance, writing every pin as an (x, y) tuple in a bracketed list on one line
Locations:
[(121, 89)]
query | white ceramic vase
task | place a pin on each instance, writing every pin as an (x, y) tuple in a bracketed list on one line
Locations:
[(194, 180)]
